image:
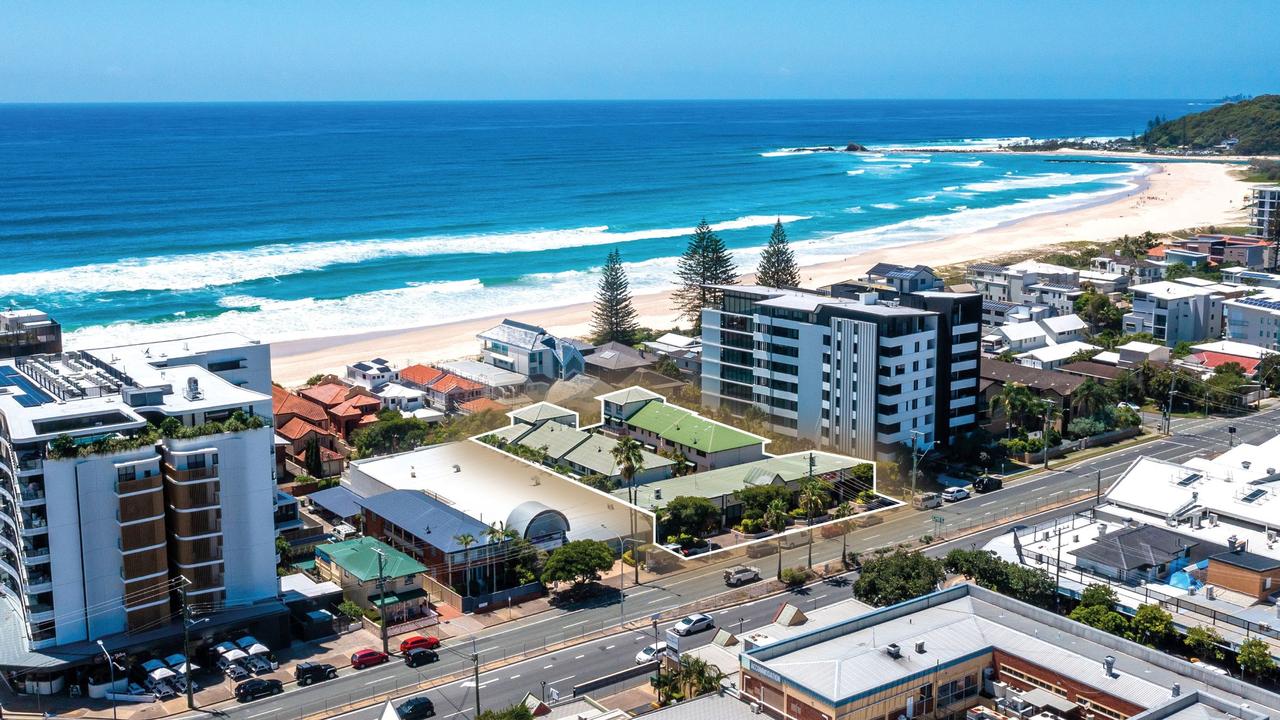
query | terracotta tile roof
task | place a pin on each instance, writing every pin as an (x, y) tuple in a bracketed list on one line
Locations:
[(449, 383), (480, 405), (1212, 360), (346, 408), (328, 394), (326, 454), (368, 420), (297, 428), (284, 402), (365, 402), (1156, 252), (423, 375)]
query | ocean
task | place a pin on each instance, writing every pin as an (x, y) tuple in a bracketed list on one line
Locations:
[(291, 220)]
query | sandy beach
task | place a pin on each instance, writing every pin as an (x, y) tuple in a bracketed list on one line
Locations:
[(1172, 196)]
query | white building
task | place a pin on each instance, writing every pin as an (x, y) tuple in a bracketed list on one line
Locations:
[(1255, 320), (231, 356), (530, 350), (402, 397), (1266, 209), (1244, 276), (1173, 312), (1016, 283), (103, 531), (1051, 357), (1135, 353), (372, 374), (854, 374), (1021, 337)]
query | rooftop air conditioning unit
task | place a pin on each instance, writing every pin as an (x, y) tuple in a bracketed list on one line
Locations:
[(893, 651)]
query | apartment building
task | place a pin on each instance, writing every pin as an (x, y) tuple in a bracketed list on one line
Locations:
[(1249, 252), (854, 374), (1255, 320), (1240, 275), (239, 360), (1266, 209), (123, 476), (28, 332), (1173, 312)]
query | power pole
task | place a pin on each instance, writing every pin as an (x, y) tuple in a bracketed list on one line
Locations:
[(915, 459), (810, 530), (1044, 439), (1097, 498), (186, 644), (382, 598), (1168, 409), (475, 675)]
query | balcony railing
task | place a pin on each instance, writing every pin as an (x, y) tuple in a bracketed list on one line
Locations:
[(190, 475)]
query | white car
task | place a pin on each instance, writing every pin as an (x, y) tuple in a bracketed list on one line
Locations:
[(650, 652), (954, 494), (692, 624)]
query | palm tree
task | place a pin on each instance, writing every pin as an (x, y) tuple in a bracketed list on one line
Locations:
[(1015, 400), (696, 676), (466, 540), (1091, 397), (775, 516), (813, 500), (844, 510), (495, 533), (627, 455)]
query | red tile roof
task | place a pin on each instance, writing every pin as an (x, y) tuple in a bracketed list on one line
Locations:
[(328, 394), (449, 382), (346, 408), (1156, 252), (423, 375), (284, 402), (480, 405), (297, 428), (1212, 360)]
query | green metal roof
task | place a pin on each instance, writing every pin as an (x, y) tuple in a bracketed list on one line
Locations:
[(359, 557), (687, 428), (395, 598), (723, 481)]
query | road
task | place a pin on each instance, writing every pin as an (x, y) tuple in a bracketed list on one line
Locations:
[(563, 669)]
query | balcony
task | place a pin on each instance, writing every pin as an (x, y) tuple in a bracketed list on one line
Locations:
[(129, 487), (39, 582), (190, 475), (35, 556), (32, 495), (34, 523), (146, 506), (195, 524), (30, 464), (188, 553), (195, 496)]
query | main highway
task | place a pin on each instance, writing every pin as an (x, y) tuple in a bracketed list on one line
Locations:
[(1071, 487)]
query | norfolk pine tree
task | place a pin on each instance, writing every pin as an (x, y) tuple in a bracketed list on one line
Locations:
[(614, 317), (777, 263), (705, 262)]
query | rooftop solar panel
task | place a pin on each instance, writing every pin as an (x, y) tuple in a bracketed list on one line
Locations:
[(1253, 496)]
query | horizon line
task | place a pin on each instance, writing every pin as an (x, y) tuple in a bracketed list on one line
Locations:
[(407, 101)]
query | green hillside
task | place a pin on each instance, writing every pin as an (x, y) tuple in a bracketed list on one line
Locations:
[(1255, 124)]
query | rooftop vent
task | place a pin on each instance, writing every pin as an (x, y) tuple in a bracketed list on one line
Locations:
[(657, 493), (1177, 689), (920, 647), (457, 468), (893, 651), (1109, 665)]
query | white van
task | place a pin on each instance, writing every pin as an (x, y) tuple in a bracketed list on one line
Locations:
[(926, 501)]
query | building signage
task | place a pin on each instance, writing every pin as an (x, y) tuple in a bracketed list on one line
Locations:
[(763, 671)]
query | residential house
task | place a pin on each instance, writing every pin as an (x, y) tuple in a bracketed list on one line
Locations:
[(401, 396), (1016, 283), (1052, 357), (1135, 352), (583, 453), (1173, 312), (543, 412), (1139, 270), (530, 350), (1207, 357), (1054, 386), (371, 374), (1240, 275), (614, 362), (443, 390), (360, 564)]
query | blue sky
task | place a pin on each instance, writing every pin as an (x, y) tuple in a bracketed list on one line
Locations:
[(127, 50)]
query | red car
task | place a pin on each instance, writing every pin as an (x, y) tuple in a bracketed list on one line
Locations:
[(417, 641), (362, 659)]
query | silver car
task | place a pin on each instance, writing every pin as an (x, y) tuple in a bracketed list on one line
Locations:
[(692, 624)]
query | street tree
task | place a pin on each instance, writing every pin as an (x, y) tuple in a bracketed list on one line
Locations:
[(689, 515), (1098, 594), (466, 540), (577, 561), (1204, 641), (896, 577), (1102, 618), (1150, 625), (1254, 658)]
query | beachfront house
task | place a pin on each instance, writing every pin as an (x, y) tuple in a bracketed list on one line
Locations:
[(530, 350)]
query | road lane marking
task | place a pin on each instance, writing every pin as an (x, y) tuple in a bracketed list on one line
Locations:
[(578, 657), (610, 647), (568, 677), (513, 677), (548, 667)]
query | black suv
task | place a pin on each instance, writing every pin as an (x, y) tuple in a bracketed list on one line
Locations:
[(307, 672), (416, 708), (986, 484), (258, 688), (420, 656)]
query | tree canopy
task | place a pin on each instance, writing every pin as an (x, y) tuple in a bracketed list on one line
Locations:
[(614, 317), (1255, 124), (689, 515), (577, 561), (778, 266), (705, 262), (756, 499), (896, 577)]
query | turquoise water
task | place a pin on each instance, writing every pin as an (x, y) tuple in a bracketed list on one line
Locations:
[(294, 220)]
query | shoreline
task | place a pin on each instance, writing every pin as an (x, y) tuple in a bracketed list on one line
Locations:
[(1167, 198)]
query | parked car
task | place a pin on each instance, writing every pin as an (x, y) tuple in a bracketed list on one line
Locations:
[(418, 657), (366, 657), (308, 672), (740, 575), (258, 688), (1130, 406), (926, 501), (418, 641), (695, 550), (650, 652), (987, 483), (415, 708), (696, 622), (954, 494)]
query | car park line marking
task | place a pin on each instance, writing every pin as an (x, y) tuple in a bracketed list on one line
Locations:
[(548, 667), (456, 713), (578, 657)]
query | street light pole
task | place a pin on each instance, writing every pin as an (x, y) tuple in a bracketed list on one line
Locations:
[(382, 599), (1044, 438), (622, 577), (111, 668), (915, 459)]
